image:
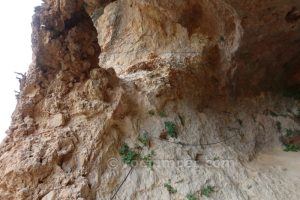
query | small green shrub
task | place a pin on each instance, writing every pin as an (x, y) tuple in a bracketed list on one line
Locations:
[(171, 129), (216, 158), (190, 197), (292, 147), (128, 155), (144, 139), (290, 132), (148, 160), (162, 114), (206, 191), (170, 189)]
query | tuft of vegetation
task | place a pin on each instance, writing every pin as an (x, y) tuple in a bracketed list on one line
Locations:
[(290, 132), (191, 197), (144, 139), (148, 160), (128, 155), (292, 92), (162, 114), (171, 129), (292, 147), (206, 191), (216, 158), (170, 189)]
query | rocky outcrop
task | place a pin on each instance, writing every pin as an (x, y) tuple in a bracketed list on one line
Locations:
[(242, 40), (211, 73)]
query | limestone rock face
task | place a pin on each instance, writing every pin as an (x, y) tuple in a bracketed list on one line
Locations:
[(242, 41), (211, 73)]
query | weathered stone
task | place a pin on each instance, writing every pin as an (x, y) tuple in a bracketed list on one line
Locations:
[(56, 121)]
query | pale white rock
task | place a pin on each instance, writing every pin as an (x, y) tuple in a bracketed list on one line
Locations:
[(56, 120), (50, 196)]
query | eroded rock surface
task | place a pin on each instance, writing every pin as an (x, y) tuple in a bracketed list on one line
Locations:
[(104, 72)]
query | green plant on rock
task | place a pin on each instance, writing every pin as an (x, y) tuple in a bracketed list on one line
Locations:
[(170, 189), (206, 191), (290, 132), (292, 147), (171, 129), (216, 158), (191, 197), (144, 139), (162, 114), (148, 160), (128, 155)]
